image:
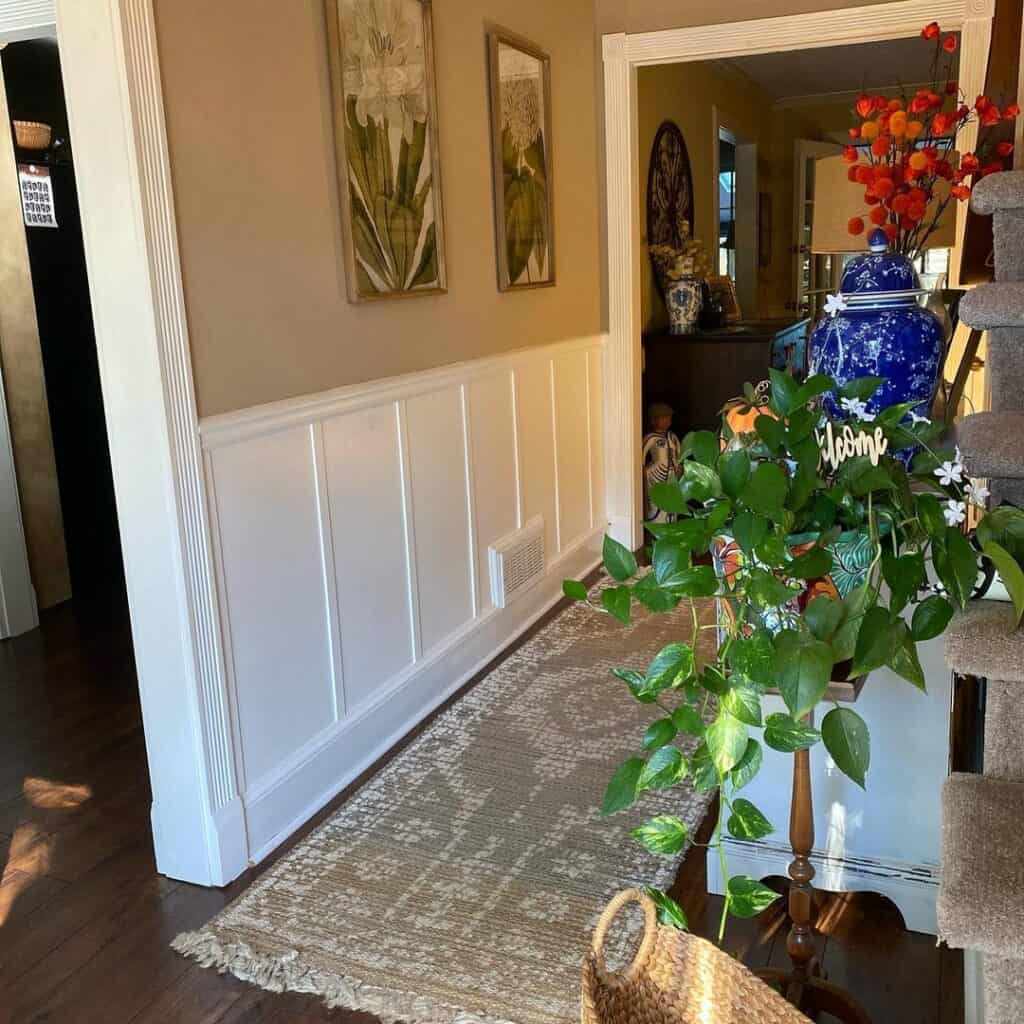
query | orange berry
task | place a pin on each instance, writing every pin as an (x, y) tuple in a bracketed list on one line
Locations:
[(918, 161), (855, 225), (869, 130), (884, 188)]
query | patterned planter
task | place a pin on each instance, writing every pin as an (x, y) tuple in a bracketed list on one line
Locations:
[(851, 558), (683, 300), (877, 328)]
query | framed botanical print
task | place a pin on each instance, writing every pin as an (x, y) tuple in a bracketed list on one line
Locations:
[(385, 133), (520, 88)]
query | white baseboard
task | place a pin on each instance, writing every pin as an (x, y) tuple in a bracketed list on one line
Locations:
[(912, 887), (361, 740), (226, 847)]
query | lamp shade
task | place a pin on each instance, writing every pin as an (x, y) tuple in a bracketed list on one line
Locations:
[(837, 199)]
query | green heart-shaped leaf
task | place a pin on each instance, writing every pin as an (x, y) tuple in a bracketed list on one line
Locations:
[(748, 765), (748, 897), (747, 822), (665, 835), (619, 561), (846, 738), (622, 790)]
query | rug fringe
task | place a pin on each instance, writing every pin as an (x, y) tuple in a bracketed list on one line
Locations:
[(287, 973)]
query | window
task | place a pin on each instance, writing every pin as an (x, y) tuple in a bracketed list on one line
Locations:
[(932, 267), (726, 203)]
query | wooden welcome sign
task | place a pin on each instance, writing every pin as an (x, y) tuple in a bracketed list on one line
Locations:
[(836, 448)]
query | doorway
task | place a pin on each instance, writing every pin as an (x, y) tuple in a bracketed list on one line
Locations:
[(113, 90), (626, 58), (83, 524), (74, 785), (736, 218)]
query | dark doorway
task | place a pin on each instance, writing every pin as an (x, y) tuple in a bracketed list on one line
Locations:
[(35, 93)]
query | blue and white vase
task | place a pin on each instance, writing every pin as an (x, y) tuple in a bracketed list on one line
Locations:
[(875, 326), (683, 300)]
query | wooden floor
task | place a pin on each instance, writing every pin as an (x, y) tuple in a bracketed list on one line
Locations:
[(85, 921)]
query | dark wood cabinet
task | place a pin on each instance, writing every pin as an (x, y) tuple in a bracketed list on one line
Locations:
[(697, 373)]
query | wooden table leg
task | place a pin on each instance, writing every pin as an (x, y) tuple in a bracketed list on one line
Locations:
[(800, 942), (805, 985)]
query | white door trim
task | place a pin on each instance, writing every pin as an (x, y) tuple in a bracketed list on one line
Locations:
[(623, 54), (115, 107)]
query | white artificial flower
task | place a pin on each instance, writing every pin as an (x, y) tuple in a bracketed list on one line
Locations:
[(950, 472), (858, 408), (854, 406), (834, 304), (955, 512), (977, 493)]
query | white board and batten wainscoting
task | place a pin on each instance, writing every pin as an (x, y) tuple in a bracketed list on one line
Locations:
[(352, 535), (886, 838)]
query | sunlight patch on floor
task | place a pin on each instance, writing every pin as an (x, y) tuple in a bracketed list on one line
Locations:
[(54, 795), (10, 890)]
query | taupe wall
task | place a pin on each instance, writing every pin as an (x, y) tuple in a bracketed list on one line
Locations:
[(246, 90), (25, 391)]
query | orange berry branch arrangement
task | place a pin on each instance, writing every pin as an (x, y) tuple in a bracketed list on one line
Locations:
[(903, 151)]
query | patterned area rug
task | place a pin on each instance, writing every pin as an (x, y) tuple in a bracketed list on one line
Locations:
[(461, 884)]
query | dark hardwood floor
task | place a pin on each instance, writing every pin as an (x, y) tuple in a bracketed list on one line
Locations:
[(85, 921)]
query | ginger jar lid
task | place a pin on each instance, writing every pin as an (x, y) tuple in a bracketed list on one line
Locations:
[(879, 273)]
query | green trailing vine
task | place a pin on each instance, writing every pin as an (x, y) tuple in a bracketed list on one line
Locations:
[(761, 522)]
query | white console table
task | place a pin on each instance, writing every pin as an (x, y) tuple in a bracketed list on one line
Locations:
[(884, 840)]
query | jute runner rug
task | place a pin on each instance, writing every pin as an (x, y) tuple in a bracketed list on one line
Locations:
[(460, 885)]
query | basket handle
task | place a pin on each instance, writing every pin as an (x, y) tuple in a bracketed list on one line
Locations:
[(646, 944)]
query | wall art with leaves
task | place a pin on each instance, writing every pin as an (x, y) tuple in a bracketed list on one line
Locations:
[(385, 116), (520, 77)]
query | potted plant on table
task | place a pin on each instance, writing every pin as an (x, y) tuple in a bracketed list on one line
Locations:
[(795, 474)]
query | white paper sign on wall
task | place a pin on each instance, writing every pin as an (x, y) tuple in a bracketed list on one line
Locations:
[(36, 196)]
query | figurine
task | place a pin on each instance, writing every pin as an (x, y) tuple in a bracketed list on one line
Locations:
[(661, 457)]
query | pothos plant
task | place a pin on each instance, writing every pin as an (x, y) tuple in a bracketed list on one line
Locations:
[(763, 517)]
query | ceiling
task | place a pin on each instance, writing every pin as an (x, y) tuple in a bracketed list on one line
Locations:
[(839, 69)]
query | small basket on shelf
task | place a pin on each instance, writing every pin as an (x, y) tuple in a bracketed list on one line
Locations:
[(32, 134)]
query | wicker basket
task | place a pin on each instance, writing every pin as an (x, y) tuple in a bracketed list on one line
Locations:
[(32, 134), (675, 978)]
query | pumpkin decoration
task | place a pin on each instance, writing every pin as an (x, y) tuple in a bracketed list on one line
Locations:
[(739, 419)]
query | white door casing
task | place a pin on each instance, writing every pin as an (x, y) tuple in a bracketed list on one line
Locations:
[(623, 53)]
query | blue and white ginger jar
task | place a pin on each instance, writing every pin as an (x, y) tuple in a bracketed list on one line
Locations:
[(684, 298), (876, 327)]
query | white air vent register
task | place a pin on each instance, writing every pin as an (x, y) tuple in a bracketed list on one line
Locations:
[(517, 562)]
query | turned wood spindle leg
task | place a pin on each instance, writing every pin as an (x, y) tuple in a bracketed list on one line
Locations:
[(800, 943), (805, 985)]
